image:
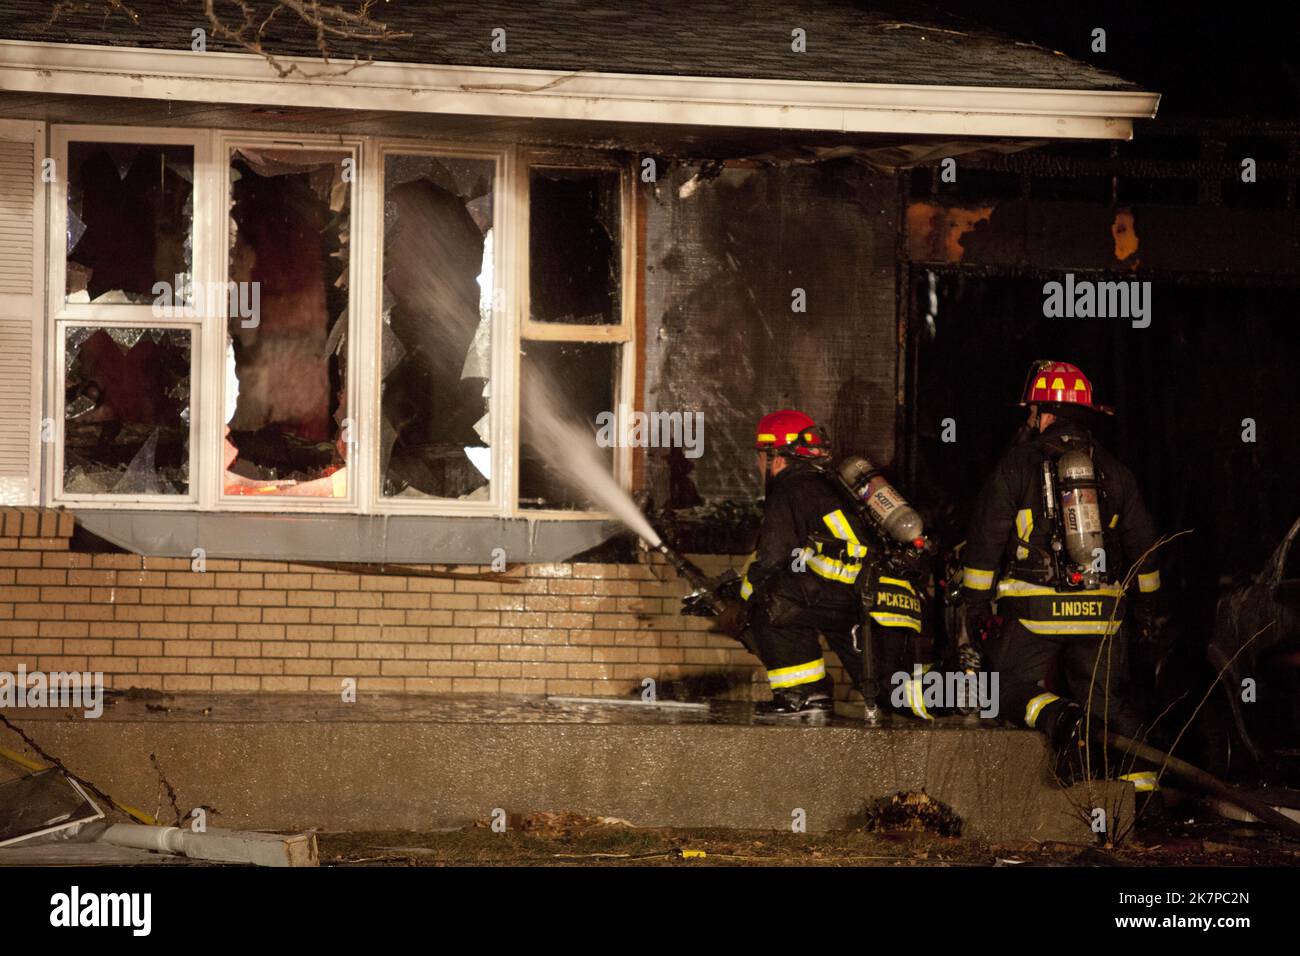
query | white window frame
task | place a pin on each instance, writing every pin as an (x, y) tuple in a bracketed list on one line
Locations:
[(210, 223), (65, 314), (623, 333), (359, 460), (501, 403)]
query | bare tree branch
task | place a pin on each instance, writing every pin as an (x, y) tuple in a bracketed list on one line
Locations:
[(247, 27)]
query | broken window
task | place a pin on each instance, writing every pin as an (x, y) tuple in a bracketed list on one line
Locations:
[(563, 382), (130, 222), (575, 260), (286, 375), (126, 422), (435, 437)]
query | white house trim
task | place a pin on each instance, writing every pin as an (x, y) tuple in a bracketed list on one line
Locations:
[(87, 70)]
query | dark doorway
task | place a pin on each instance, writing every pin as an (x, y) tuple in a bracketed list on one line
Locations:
[(1214, 355)]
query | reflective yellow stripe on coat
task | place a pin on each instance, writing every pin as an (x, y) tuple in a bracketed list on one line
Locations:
[(889, 619), (833, 569), (1103, 628), (1024, 528)]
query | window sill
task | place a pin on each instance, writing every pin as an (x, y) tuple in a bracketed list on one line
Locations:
[(396, 539)]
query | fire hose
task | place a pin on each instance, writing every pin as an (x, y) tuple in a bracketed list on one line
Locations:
[(1205, 781)]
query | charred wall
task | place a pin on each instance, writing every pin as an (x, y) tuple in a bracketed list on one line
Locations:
[(723, 258)]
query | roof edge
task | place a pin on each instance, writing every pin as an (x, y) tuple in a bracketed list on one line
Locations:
[(91, 70)]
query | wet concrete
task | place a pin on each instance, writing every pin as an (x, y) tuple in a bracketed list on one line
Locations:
[(87, 854), (278, 762)]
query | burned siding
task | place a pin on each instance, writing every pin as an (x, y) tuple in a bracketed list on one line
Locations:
[(723, 258)]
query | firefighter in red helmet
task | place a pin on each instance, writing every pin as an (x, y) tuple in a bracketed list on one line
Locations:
[(1056, 530), (804, 582)]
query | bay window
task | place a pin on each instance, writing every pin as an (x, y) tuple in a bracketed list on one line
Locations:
[(284, 322)]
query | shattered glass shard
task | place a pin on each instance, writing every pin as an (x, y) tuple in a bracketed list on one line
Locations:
[(126, 414), (478, 360), (181, 169), (338, 331), (76, 229), (123, 155), (129, 220), (393, 353), (390, 220), (141, 477), (482, 427)]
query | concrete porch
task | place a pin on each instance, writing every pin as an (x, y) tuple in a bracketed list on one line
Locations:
[(421, 762)]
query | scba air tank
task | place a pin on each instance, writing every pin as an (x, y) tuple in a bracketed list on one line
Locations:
[(898, 519), (1080, 507)]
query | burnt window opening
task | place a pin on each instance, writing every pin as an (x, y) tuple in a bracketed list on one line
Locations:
[(130, 222), (126, 421), (438, 296), (573, 380), (286, 373), (575, 258)]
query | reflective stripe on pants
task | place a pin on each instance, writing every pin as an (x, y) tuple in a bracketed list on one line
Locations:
[(798, 674), (1035, 707), (1144, 781)]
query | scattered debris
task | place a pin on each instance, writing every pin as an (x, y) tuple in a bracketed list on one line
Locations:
[(44, 804), (564, 823), (136, 693), (913, 810), (1245, 644), (219, 846), (54, 761)]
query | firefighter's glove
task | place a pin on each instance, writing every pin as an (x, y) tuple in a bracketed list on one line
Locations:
[(981, 622), (1146, 618), (733, 620), (727, 586), (698, 604)]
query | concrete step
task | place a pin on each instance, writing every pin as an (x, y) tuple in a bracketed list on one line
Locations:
[(297, 762)]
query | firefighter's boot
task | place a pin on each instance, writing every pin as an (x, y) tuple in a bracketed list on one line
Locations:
[(795, 704), (1062, 722)]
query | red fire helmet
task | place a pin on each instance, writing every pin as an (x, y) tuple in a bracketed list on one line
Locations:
[(1050, 381), (789, 432)]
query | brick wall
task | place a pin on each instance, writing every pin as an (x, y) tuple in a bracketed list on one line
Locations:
[(583, 629)]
